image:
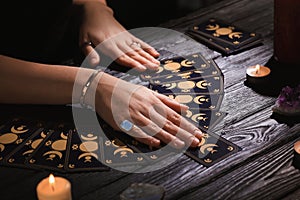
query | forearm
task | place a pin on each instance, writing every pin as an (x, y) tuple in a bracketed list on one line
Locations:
[(32, 83)]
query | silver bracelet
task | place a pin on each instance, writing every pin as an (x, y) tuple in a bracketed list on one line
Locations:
[(86, 87)]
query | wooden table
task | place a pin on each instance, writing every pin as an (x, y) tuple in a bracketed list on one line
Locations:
[(262, 170)]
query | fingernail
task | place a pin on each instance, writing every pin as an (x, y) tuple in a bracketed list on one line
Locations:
[(94, 61), (179, 143), (198, 132), (196, 141), (142, 67)]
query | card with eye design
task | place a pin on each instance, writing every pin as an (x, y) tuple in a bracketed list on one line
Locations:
[(201, 85), (14, 133), (179, 65), (20, 155), (212, 149), (52, 153), (85, 152), (199, 101), (213, 70)]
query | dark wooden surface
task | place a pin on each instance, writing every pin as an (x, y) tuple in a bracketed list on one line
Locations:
[(262, 170)]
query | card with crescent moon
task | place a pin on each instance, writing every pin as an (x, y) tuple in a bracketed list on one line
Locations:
[(85, 152), (199, 101), (151, 154), (213, 70), (212, 149), (175, 65), (207, 85), (14, 134), (51, 154), (117, 152), (19, 156), (205, 119), (225, 32)]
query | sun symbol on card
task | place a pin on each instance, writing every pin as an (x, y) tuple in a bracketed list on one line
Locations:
[(219, 31)]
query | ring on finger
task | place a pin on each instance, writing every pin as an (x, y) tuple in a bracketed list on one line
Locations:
[(137, 44)]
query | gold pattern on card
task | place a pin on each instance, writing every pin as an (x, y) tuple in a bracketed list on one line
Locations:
[(207, 160), (89, 146), (121, 149), (140, 159), (184, 98), (203, 84), (154, 157), (199, 117), (186, 85), (71, 166), (108, 161), (11, 160), (12, 137), (172, 66), (224, 31), (209, 148), (201, 99), (160, 69), (187, 63), (195, 56), (56, 147), (188, 113), (185, 75), (169, 86), (230, 148), (34, 144)]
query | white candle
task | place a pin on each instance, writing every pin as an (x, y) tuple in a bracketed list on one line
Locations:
[(258, 71), (54, 188)]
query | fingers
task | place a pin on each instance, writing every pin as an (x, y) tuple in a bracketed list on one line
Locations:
[(88, 50), (178, 107), (148, 48)]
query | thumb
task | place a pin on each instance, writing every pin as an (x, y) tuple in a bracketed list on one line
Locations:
[(92, 55)]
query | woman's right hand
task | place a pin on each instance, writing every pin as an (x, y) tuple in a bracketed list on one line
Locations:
[(156, 118)]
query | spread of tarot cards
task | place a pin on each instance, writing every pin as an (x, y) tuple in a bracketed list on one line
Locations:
[(190, 80)]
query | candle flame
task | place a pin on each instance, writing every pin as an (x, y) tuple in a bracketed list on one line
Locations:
[(51, 181), (257, 68)]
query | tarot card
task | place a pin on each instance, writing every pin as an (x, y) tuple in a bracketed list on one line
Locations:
[(20, 155), (212, 149), (117, 152), (213, 70), (199, 101), (85, 152), (207, 85), (178, 65), (225, 32), (204, 119), (15, 133), (52, 153)]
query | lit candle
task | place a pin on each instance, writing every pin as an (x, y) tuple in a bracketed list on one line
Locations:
[(296, 159), (54, 188), (257, 75)]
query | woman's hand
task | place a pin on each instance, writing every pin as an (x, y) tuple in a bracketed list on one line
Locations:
[(155, 117), (99, 25)]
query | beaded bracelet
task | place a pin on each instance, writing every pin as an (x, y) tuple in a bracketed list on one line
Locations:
[(86, 87)]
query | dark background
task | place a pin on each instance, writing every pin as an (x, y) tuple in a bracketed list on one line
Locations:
[(142, 13)]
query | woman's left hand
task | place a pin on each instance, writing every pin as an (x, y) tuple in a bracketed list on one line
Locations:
[(99, 25)]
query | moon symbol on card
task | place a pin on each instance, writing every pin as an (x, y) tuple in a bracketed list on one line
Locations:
[(43, 135), (118, 143), (200, 99), (186, 85), (124, 149), (198, 117), (8, 138), (160, 69), (88, 146), (235, 34), (169, 86), (63, 136), (59, 154), (202, 84), (187, 63), (88, 154), (188, 113), (2, 147), (89, 137), (172, 66), (27, 152), (212, 27), (208, 147), (20, 129), (184, 98), (59, 145)]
